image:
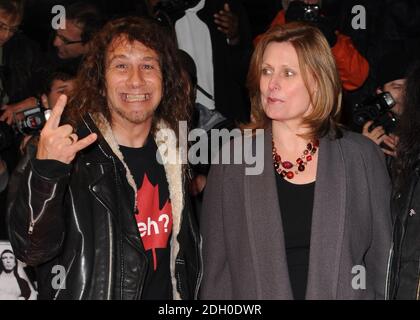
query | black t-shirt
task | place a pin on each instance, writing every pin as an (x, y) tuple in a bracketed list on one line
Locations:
[(296, 204), (154, 217)]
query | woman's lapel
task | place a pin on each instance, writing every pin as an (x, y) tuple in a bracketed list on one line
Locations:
[(266, 231), (328, 219)]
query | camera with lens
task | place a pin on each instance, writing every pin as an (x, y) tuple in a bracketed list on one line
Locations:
[(27, 122), (300, 11), (378, 110), (31, 121)]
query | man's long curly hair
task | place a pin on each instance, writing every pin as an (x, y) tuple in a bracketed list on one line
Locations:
[(90, 97), (408, 150)]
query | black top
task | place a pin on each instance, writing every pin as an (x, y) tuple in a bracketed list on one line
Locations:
[(155, 229), (296, 204)]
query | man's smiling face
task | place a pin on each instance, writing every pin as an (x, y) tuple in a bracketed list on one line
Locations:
[(133, 81)]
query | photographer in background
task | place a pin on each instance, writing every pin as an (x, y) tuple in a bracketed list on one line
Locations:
[(352, 67), (83, 20), (390, 78), (20, 68), (58, 82), (20, 62), (61, 81), (404, 273)]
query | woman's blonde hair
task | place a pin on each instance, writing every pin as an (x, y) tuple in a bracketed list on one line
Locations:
[(316, 61)]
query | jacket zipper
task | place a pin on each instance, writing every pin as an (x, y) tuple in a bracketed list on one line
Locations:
[(111, 253), (34, 221), (110, 244), (110, 233), (200, 273)]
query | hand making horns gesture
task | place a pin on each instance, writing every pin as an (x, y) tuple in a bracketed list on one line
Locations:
[(60, 142)]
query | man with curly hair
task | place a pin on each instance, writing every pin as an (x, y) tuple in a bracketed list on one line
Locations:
[(97, 201)]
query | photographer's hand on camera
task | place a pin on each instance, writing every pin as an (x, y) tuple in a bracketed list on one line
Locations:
[(9, 109), (60, 142), (391, 141), (379, 136)]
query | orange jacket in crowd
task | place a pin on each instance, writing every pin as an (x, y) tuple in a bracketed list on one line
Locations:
[(352, 66)]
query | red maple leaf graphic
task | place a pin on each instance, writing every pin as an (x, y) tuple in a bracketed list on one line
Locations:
[(154, 225)]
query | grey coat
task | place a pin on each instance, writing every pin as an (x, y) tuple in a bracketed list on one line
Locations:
[(243, 244)]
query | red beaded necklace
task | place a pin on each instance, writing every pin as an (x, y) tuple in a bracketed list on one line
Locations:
[(282, 167)]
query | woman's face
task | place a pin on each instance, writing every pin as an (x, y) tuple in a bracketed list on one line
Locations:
[(8, 260), (283, 92)]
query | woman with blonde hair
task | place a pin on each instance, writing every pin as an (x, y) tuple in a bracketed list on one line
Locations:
[(316, 223)]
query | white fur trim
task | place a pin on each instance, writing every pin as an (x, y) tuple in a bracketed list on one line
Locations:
[(175, 182)]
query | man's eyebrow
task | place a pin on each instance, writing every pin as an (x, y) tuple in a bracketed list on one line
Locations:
[(118, 56), (150, 58), (123, 56)]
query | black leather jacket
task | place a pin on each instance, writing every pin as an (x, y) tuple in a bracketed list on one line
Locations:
[(404, 267), (82, 222)]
